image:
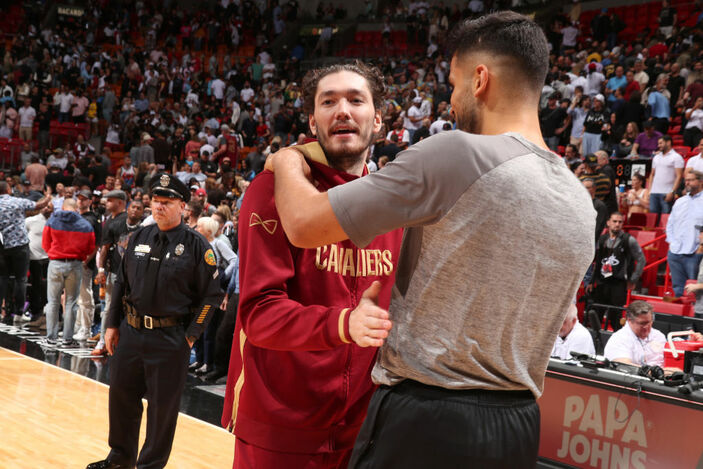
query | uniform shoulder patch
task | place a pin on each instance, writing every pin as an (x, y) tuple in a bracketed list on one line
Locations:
[(210, 257)]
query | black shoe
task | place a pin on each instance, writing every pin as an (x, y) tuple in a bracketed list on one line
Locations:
[(214, 375), (8, 319), (194, 366), (106, 464)]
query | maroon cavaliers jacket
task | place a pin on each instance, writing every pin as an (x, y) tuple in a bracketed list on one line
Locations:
[(296, 382)]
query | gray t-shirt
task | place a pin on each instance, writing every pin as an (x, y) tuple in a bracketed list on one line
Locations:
[(500, 234)]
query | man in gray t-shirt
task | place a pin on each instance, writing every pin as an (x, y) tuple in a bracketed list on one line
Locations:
[(499, 234)]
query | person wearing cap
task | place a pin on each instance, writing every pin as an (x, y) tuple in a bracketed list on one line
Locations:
[(114, 229), (413, 117), (142, 152), (553, 120), (601, 180), (596, 119), (86, 303), (169, 289), (67, 239)]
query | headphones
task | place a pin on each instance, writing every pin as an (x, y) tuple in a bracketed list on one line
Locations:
[(651, 372)]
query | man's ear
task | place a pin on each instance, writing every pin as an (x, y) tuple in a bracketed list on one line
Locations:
[(480, 80), (312, 125), (377, 121)]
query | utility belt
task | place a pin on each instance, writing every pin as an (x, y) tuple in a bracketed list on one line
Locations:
[(149, 322)]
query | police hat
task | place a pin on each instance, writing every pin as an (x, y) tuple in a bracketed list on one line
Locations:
[(167, 185)]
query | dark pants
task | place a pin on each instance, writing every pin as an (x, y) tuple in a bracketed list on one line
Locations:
[(611, 292), (37, 278), (205, 346), (152, 364), (412, 425), (225, 335), (14, 262)]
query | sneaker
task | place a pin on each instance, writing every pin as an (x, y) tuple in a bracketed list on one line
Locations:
[(48, 342), (39, 322), (94, 338), (193, 366), (81, 335), (26, 317), (69, 344), (203, 370)]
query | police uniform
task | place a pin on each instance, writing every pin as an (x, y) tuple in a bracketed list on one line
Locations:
[(156, 315)]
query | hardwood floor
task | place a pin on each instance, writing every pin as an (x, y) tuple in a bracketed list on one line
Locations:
[(52, 418)]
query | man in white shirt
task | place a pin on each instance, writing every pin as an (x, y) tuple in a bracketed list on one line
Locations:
[(414, 120), (38, 263), (65, 103), (27, 114), (438, 125), (247, 92), (218, 89), (667, 170), (637, 343), (573, 337), (695, 162)]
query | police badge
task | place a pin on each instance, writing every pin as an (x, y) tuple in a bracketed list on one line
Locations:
[(165, 180), (179, 250)]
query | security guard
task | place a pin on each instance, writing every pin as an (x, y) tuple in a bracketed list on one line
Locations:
[(169, 288)]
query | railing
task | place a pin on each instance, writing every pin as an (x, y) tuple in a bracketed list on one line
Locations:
[(656, 263)]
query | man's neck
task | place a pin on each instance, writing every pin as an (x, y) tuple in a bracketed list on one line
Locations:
[(502, 120)]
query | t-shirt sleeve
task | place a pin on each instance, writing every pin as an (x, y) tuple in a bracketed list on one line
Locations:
[(404, 193), (679, 162), (418, 188)]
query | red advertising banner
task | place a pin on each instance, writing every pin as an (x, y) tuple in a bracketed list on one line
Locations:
[(587, 426)]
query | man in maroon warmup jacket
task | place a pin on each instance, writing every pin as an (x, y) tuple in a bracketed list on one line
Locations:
[(299, 378)]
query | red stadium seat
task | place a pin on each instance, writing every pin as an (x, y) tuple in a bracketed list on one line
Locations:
[(682, 150), (663, 219)]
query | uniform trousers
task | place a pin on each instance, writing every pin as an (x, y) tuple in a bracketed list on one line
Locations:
[(412, 425), (150, 363)]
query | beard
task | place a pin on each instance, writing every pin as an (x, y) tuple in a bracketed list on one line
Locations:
[(467, 117), (346, 155)]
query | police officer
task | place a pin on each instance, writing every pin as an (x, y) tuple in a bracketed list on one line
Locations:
[(169, 288)]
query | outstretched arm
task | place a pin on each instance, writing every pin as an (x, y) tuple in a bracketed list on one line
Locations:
[(306, 214)]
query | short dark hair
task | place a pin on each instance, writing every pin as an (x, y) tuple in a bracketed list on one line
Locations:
[(373, 76), (666, 138), (615, 213), (637, 308), (506, 33)]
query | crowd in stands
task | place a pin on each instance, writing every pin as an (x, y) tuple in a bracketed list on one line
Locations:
[(153, 88)]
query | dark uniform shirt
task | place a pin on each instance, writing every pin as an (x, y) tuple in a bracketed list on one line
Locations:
[(187, 282)]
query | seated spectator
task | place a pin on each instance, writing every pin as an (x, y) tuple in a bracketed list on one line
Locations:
[(637, 343), (627, 140), (573, 337), (696, 161), (571, 155), (637, 198), (647, 142), (694, 126)]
